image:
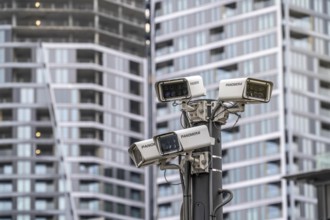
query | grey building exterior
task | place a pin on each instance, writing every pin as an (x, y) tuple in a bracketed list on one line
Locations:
[(286, 42), (73, 97)]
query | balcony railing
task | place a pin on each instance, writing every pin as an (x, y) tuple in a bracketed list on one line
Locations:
[(325, 92), (302, 23), (324, 71), (323, 160)]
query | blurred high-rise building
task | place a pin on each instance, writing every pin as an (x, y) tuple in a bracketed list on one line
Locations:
[(73, 91), (286, 42)]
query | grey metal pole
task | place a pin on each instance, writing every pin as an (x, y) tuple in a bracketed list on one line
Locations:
[(187, 192), (206, 186)]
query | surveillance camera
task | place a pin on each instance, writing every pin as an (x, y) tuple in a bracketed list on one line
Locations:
[(144, 153), (245, 90), (185, 140), (180, 89), (167, 146)]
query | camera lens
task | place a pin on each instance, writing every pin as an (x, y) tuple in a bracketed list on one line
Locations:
[(168, 143)]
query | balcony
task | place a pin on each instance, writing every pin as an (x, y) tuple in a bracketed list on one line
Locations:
[(325, 130), (260, 4), (89, 186), (44, 132), (90, 168), (6, 187), (89, 204), (325, 109), (324, 68), (6, 115), (91, 97), (229, 10), (22, 55), (323, 161), (324, 71), (217, 34), (217, 54), (164, 67), (42, 23), (90, 151), (22, 75), (91, 115), (44, 204), (6, 4), (44, 186), (6, 204), (89, 76), (91, 133), (6, 133), (6, 168), (89, 56), (134, 68), (300, 41), (164, 47), (44, 150), (6, 150), (42, 115), (300, 20), (44, 168), (324, 88), (6, 95)]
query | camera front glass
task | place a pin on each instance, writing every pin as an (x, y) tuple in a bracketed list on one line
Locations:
[(168, 143), (173, 90)]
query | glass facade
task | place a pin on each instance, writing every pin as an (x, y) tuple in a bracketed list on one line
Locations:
[(73, 91), (64, 141), (283, 41)]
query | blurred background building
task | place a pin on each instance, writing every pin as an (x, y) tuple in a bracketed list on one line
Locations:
[(72, 98), (75, 93), (286, 42)]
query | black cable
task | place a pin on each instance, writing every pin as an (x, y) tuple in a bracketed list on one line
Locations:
[(229, 198), (169, 181), (238, 117), (184, 120)]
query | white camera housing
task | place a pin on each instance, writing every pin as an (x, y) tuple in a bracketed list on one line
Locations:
[(167, 146), (144, 153), (245, 90), (180, 89), (185, 140)]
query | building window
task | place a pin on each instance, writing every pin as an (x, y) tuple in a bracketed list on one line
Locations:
[(121, 191), (134, 68), (121, 174), (134, 87), (6, 205), (108, 206), (136, 212), (135, 125), (135, 107), (6, 186), (165, 210), (23, 203), (108, 188), (136, 177), (121, 209), (135, 195)]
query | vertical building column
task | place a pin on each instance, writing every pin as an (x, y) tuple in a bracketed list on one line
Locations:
[(13, 16), (121, 28), (96, 22), (70, 15)]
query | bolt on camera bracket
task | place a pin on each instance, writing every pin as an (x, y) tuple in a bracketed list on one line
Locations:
[(197, 110), (201, 162)]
